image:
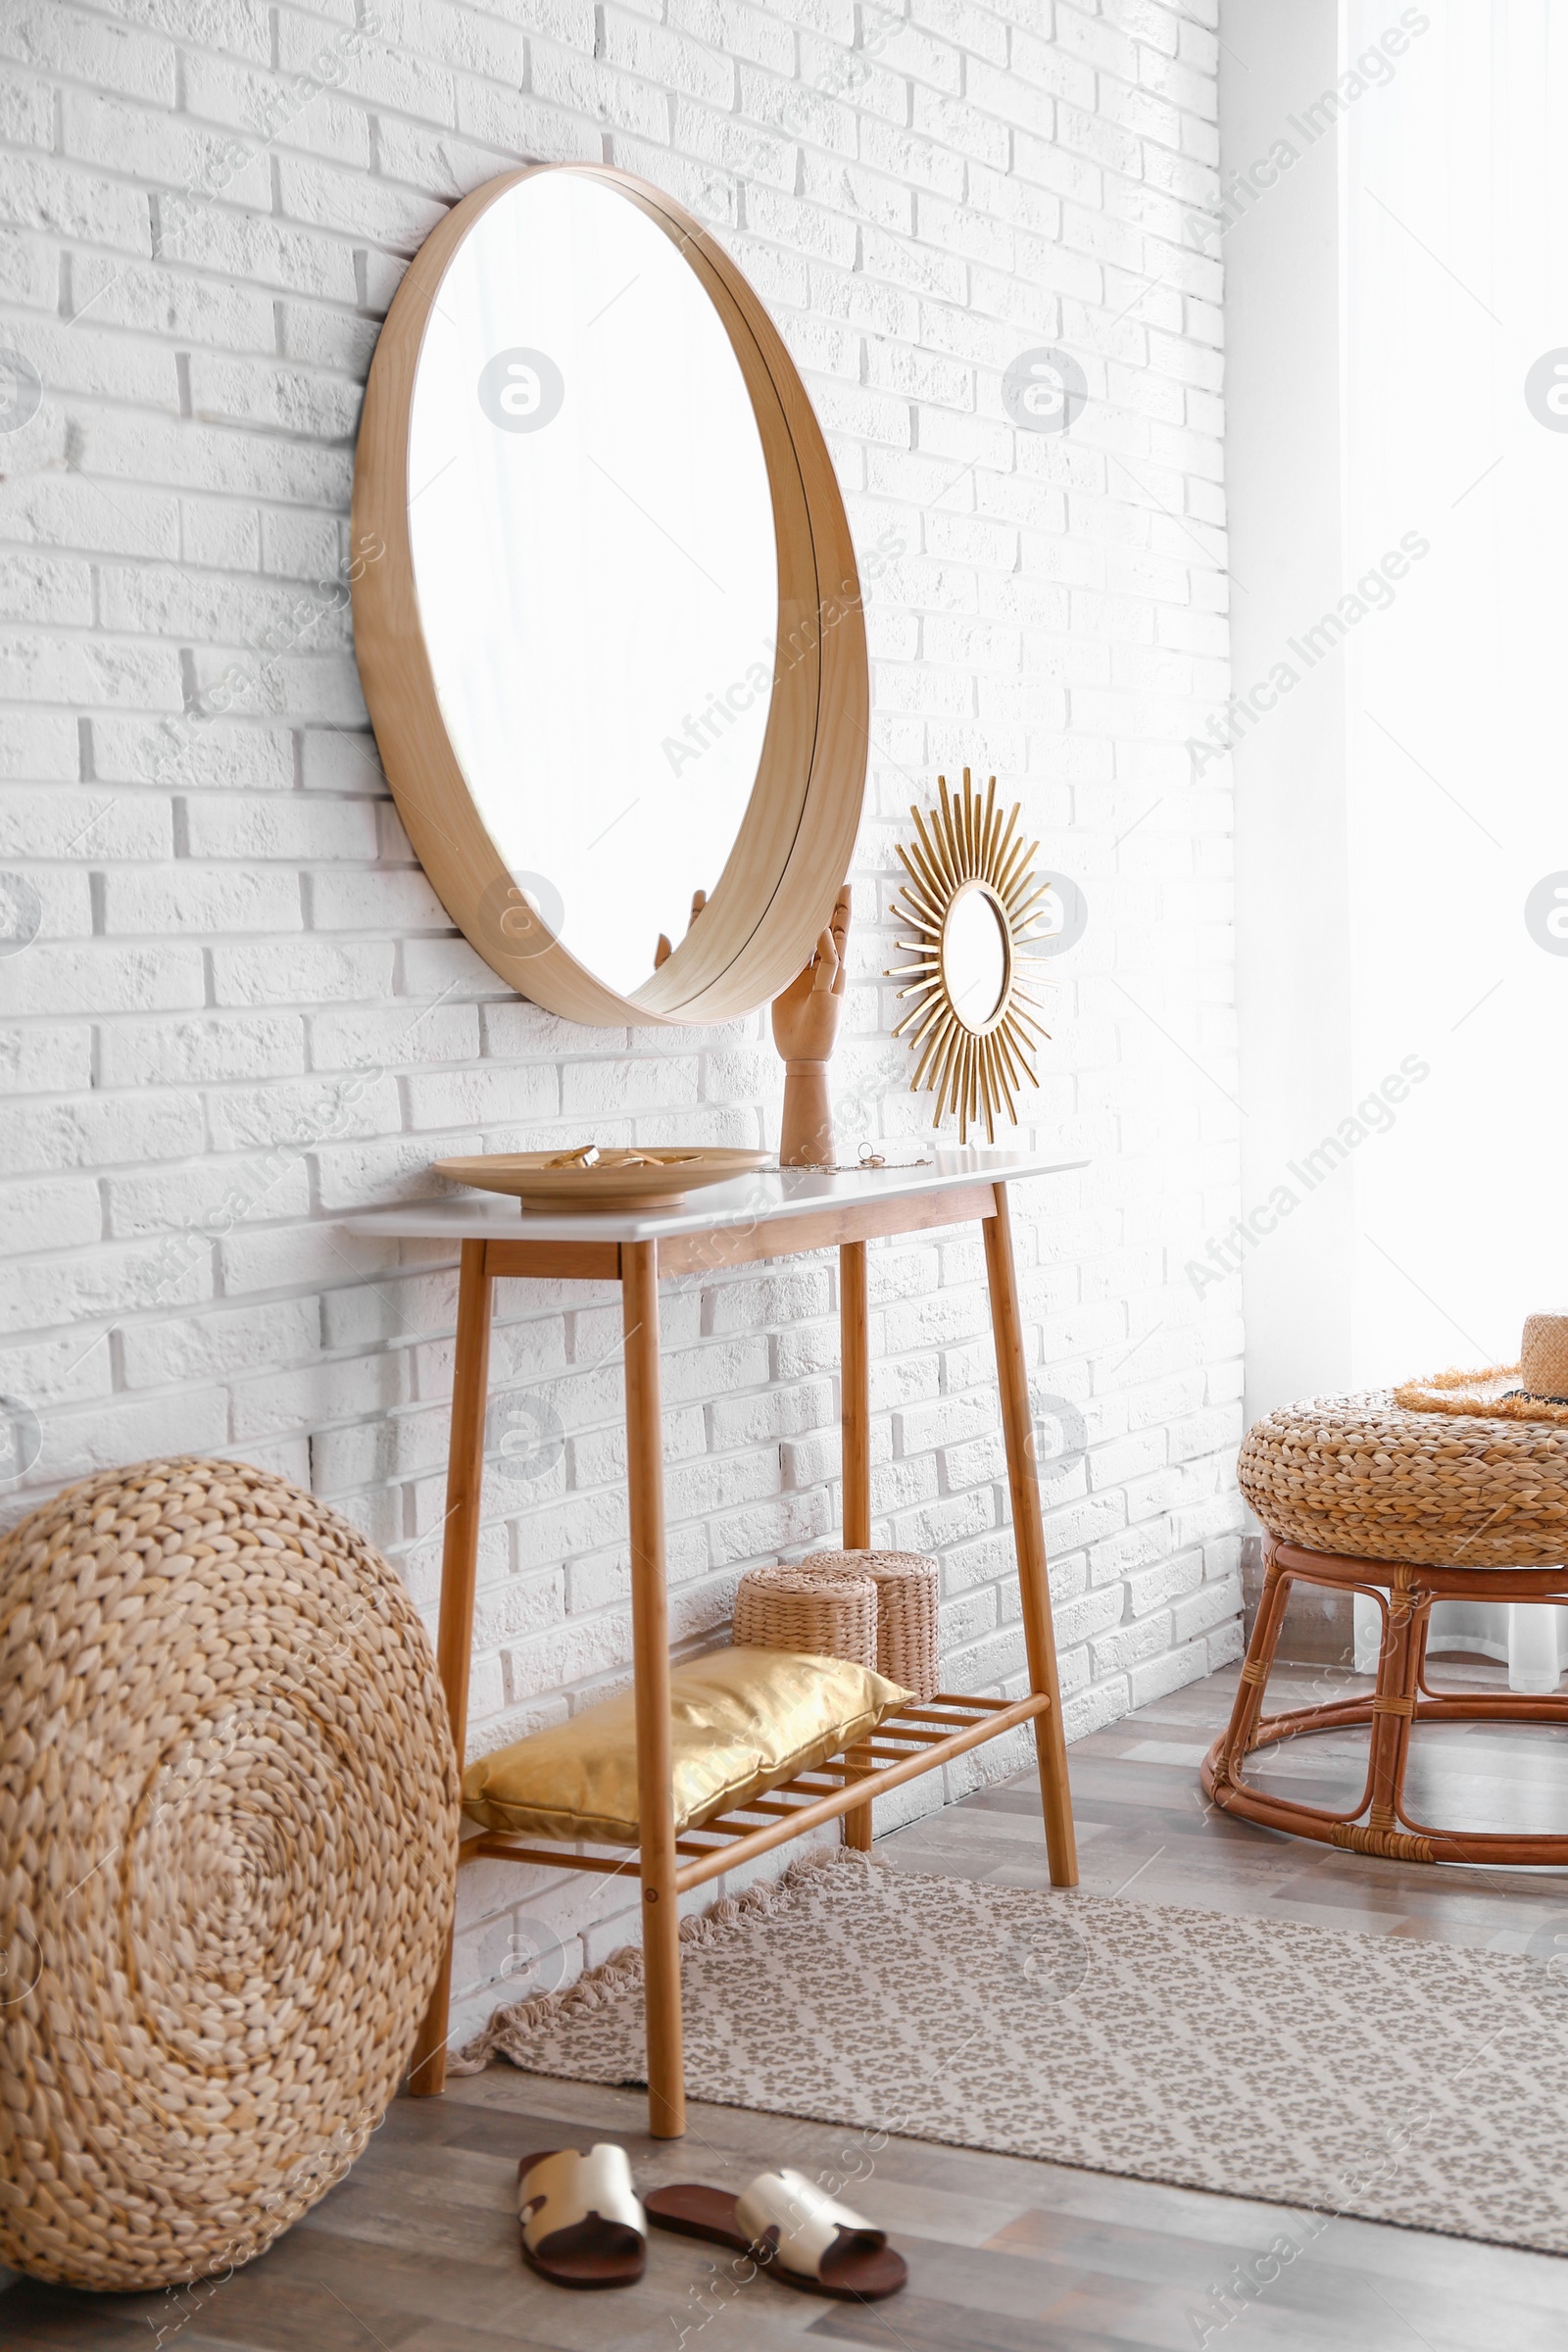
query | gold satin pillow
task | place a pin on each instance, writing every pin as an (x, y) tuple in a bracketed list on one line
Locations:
[(743, 1721)]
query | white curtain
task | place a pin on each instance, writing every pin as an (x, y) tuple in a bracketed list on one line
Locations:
[(1455, 226)]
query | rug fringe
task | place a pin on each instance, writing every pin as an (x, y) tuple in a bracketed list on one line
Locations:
[(508, 2029)]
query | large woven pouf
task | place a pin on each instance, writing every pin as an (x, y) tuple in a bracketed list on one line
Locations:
[(228, 1827), (1408, 1507), (1363, 1474)]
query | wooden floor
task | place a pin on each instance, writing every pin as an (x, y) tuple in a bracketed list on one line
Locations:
[(417, 2248)]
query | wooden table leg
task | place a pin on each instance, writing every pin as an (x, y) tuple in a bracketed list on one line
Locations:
[(458, 1563), (1029, 1534), (855, 1413), (649, 1634)]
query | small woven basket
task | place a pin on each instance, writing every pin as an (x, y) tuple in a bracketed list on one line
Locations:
[(909, 1587), (830, 1617)]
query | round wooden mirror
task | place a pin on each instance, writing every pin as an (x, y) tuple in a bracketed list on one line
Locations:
[(614, 651)]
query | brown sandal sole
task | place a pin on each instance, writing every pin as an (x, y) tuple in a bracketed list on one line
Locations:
[(692, 2211)]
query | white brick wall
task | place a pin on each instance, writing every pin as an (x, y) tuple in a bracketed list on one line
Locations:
[(233, 1006)]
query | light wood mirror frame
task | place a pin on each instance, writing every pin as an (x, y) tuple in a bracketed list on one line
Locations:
[(792, 847)]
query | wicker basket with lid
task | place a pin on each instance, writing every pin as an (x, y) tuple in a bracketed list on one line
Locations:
[(909, 1589), (789, 1609)]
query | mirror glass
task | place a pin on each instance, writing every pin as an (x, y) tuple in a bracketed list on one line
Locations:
[(594, 561), (974, 956)]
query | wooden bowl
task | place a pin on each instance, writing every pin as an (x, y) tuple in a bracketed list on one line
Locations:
[(627, 1179)]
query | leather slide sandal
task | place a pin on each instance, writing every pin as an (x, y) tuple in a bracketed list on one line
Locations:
[(580, 2218), (794, 2233)]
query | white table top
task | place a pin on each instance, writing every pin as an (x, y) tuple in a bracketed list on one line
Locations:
[(757, 1200)]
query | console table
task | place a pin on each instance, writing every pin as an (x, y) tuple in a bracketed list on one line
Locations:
[(754, 1217)]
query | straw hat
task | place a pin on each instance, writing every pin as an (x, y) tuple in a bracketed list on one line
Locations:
[(1543, 1357), (1535, 1388)]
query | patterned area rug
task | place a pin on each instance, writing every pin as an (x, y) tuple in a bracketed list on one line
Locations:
[(1400, 2081)]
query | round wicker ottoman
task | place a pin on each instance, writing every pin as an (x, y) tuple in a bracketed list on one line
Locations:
[(228, 1830), (1363, 1495)]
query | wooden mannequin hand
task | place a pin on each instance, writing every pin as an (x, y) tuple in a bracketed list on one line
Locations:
[(805, 1029), (806, 1017)]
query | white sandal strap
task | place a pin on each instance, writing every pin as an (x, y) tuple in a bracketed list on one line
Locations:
[(807, 2221), (568, 2187)]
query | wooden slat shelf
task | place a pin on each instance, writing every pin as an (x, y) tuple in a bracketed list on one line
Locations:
[(820, 1793)]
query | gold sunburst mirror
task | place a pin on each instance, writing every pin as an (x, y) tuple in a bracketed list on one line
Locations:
[(972, 902)]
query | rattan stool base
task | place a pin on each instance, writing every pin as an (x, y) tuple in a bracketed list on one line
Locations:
[(1379, 1824)]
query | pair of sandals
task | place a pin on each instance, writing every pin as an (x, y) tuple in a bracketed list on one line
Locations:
[(584, 2226)]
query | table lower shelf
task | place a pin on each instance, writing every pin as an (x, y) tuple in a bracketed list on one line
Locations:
[(915, 1741)]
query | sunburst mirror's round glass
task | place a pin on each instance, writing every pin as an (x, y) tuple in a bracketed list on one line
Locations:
[(974, 958), (594, 558)]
